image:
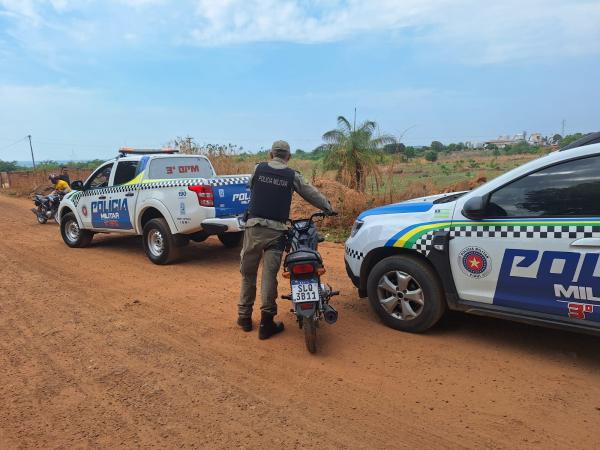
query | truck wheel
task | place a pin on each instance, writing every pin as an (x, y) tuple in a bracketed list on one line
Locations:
[(74, 236), (406, 294), (159, 242), (231, 240)]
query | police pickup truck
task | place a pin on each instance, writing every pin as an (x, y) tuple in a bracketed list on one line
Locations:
[(167, 198), (525, 246)]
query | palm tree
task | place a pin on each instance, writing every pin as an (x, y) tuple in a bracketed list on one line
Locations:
[(353, 152)]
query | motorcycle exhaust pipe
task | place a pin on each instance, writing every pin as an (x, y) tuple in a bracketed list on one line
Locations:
[(330, 314)]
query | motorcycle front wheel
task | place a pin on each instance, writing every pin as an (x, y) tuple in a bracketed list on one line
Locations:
[(41, 218), (310, 334)]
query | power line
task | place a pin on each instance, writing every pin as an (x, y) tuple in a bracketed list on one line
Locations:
[(14, 143)]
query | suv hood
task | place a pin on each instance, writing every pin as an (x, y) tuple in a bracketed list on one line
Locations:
[(414, 205)]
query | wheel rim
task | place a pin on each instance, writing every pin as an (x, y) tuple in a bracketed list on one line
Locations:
[(156, 243), (400, 295), (72, 231)]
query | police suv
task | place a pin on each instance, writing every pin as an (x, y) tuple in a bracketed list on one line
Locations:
[(524, 246), (167, 198)]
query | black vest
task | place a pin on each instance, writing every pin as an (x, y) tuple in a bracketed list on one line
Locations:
[(272, 191)]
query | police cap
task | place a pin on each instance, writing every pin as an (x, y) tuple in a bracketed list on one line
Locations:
[(280, 149)]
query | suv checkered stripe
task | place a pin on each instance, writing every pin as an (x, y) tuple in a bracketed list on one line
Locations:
[(424, 243), (354, 253)]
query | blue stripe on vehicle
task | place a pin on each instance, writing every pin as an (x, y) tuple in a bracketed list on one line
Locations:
[(401, 208), (142, 165)]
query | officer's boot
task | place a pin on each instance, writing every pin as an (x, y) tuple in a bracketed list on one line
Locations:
[(268, 327), (245, 323)]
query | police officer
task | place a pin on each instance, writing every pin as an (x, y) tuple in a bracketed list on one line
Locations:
[(272, 186)]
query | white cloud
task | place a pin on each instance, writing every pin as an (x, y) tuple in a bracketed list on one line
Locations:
[(470, 31), (478, 32), (239, 21)]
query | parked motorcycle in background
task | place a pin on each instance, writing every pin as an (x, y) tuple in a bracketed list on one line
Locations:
[(303, 266), (46, 207)]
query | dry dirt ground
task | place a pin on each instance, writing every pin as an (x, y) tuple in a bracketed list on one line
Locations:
[(100, 348)]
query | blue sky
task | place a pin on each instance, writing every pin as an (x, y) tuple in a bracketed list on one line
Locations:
[(86, 77)]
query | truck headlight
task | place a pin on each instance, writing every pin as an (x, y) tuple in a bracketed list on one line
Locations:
[(357, 226)]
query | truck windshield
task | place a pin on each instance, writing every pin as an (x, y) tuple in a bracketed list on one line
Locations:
[(180, 167)]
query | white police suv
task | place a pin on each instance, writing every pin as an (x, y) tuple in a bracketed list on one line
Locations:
[(525, 246)]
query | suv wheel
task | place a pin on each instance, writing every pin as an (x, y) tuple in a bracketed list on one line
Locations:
[(231, 240), (73, 235), (159, 242), (406, 294)]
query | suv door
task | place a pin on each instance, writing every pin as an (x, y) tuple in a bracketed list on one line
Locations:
[(538, 247), (93, 189)]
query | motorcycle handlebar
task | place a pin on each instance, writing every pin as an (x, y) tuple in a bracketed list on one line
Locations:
[(324, 214)]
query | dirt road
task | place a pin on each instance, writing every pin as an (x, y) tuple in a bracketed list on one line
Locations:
[(101, 348)]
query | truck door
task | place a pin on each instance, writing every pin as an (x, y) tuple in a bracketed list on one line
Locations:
[(93, 189), (115, 208), (537, 248)]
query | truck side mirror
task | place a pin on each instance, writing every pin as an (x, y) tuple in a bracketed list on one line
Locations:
[(77, 185), (475, 208)]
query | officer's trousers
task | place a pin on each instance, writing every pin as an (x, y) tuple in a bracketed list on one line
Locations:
[(260, 243)]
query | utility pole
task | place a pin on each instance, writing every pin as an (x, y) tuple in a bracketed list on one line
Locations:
[(354, 118), (189, 140), (31, 148), (563, 127)]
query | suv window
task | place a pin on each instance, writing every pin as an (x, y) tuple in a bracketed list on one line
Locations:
[(180, 167), (568, 189), (125, 172), (100, 178)]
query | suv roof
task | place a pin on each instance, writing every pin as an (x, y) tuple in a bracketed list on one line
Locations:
[(588, 139)]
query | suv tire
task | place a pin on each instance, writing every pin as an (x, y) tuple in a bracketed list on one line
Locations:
[(406, 293), (159, 243)]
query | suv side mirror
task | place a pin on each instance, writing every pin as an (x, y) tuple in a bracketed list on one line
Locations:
[(475, 208), (77, 185)]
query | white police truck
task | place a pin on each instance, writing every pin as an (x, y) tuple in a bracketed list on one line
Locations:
[(166, 197), (524, 246)]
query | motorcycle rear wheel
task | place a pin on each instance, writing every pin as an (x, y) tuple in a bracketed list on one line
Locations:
[(310, 334), (41, 219)]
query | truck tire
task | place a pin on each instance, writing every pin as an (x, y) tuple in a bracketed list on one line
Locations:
[(406, 294), (231, 240), (159, 243), (74, 236)]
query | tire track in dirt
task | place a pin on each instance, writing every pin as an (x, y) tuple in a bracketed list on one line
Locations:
[(132, 354)]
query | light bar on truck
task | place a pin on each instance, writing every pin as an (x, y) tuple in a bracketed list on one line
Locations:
[(147, 151)]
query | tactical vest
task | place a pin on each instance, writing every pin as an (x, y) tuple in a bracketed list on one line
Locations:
[(272, 191)]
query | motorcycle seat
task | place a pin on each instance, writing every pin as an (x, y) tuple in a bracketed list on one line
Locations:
[(303, 256)]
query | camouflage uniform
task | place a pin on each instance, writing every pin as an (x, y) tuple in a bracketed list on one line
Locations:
[(264, 237)]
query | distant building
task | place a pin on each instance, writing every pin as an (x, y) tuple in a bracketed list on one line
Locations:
[(536, 139), (503, 141)]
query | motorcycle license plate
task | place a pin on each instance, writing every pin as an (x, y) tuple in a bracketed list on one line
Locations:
[(305, 290)]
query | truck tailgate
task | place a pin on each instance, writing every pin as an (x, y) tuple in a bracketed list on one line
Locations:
[(231, 195)]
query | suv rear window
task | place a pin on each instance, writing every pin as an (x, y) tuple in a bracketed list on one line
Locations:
[(180, 167)]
